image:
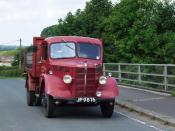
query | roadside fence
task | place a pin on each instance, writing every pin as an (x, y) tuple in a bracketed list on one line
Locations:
[(159, 77)]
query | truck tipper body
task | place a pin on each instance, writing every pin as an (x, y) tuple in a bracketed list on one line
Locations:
[(68, 70)]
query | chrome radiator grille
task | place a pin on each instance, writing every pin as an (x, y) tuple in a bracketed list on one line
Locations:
[(85, 86)]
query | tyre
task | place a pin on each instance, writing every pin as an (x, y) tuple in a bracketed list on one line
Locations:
[(49, 106), (38, 100), (107, 109), (30, 95)]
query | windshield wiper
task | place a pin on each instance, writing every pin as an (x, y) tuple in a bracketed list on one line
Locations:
[(69, 47)]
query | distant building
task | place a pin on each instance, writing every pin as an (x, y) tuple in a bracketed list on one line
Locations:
[(6, 60)]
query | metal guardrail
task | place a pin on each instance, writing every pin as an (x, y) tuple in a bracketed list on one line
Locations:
[(157, 76)]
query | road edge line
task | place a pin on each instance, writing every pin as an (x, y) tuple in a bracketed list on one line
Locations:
[(153, 115)]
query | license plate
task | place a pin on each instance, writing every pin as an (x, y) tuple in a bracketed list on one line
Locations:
[(86, 100)]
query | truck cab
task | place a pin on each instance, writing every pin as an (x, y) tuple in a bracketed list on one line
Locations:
[(68, 70)]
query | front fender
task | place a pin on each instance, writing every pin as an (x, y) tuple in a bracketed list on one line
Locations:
[(55, 87), (110, 90)]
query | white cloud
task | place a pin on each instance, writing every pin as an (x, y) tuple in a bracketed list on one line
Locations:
[(26, 18)]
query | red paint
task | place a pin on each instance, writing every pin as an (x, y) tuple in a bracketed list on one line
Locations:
[(110, 90), (54, 85)]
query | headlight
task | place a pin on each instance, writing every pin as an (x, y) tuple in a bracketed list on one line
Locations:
[(50, 72), (67, 79), (103, 80)]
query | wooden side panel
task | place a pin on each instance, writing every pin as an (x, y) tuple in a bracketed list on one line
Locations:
[(37, 57)]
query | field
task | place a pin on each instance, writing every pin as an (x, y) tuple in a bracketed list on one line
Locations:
[(8, 53)]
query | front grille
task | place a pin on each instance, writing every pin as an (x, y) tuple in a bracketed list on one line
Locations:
[(91, 82), (61, 68)]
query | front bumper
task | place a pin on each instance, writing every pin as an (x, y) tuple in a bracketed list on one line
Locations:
[(74, 101)]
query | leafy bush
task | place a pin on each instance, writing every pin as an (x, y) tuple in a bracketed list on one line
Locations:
[(173, 93), (10, 72)]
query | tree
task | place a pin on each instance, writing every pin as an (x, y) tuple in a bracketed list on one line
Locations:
[(133, 31), (18, 57), (84, 23), (137, 31)]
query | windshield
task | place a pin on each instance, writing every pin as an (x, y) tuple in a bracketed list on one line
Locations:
[(62, 50), (68, 50), (90, 51)]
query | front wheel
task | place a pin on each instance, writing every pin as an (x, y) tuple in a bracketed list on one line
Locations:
[(49, 106), (107, 109)]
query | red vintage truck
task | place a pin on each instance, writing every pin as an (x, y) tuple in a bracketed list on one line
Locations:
[(68, 70)]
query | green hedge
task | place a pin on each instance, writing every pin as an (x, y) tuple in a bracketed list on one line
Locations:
[(10, 72)]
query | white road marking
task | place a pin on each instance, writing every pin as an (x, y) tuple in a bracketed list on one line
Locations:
[(139, 121), (148, 99)]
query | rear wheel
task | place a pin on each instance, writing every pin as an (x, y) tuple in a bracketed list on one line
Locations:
[(107, 109), (38, 100), (30, 96), (49, 106)]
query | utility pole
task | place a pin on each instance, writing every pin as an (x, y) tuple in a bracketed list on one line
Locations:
[(20, 50), (20, 42)]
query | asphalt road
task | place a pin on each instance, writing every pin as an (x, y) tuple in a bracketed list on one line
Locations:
[(154, 102), (15, 115)]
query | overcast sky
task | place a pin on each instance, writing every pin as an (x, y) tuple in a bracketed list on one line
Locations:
[(26, 18)]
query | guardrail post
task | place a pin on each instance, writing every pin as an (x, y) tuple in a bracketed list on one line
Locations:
[(119, 73), (165, 77), (139, 74)]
